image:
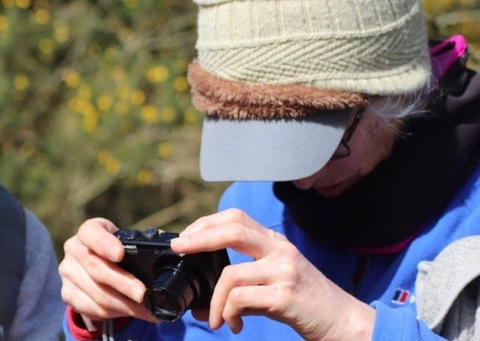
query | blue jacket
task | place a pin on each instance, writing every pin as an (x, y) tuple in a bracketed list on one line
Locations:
[(387, 283)]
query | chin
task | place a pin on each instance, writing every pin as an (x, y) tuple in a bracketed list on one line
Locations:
[(331, 191), (334, 190)]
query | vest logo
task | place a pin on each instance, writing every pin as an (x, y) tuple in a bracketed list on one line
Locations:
[(401, 296)]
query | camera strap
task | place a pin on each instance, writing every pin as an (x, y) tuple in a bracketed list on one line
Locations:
[(107, 330)]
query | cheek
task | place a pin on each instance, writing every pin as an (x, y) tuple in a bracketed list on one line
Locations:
[(368, 152), (344, 168), (373, 155), (334, 172), (342, 172)]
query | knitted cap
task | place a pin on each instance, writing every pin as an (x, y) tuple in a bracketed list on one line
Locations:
[(289, 60)]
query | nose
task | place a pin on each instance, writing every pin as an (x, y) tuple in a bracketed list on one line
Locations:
[(305, 183)]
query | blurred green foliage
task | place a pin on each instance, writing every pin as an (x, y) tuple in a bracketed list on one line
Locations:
[(449, 17), (95, 110), (96, 116)]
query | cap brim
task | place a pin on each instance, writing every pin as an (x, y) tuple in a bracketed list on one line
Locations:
[(269, 150)]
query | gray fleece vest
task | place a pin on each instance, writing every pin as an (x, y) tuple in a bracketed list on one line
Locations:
[(448, 291), (12, 257)]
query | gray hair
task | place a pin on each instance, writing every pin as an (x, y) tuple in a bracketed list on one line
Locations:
[(405, 105)]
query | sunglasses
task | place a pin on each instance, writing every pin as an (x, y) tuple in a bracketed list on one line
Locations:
[(343, 149)]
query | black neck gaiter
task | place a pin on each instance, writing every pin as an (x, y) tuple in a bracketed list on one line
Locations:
[(426, 168)]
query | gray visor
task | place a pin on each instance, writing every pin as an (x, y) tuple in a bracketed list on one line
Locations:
[(269, 150)]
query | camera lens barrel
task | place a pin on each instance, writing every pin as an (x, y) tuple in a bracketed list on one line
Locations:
[(172, 290)]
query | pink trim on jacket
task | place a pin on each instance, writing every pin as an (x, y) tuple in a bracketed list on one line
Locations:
[(446, 53)]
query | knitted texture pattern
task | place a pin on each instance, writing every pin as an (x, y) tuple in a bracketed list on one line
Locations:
[(376, 47)]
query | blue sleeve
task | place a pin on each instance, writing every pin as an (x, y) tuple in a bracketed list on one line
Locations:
[(400, 324)]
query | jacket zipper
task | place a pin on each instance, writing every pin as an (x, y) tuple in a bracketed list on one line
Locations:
[(359, 274)]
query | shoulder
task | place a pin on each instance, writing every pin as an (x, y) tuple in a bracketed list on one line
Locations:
[(468, 197), (36, 232), (40, 253), (448, 289)]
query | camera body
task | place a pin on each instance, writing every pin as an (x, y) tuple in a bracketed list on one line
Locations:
[(175, 282)]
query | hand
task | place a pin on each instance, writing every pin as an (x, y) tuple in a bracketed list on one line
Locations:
[(93, 285), (280, 283)]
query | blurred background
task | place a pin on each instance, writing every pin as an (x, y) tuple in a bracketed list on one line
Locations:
[(95, 112)]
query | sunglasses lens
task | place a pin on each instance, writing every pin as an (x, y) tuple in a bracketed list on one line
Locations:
[(342, 151)]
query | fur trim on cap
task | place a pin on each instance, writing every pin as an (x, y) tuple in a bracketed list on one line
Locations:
[(235, 100)]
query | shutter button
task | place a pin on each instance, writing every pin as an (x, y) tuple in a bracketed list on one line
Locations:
[(150, 233)]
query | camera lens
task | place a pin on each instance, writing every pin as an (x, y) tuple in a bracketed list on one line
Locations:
[(172, 291)]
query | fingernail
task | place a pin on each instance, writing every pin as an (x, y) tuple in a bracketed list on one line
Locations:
[(177, 242), (138, 293), (116, 255)]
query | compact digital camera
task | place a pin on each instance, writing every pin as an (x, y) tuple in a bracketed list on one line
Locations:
[(175, 282)]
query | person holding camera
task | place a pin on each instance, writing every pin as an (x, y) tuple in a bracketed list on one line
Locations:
[(354, 145)]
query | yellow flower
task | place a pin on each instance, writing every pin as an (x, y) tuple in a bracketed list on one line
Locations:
[(88, 110), (90, 121), (21, 82), (41, 16), (45, 45), (4, 24), (111, 163), (71, 78), (149, 113), (168, 114), (180, 65), (80, 105), (138, 97), (130, 3), (157, 74), (112, 166), (72, 104), (144, 177), (22, 3), (125, 33), (62, 32), (181, 84), (8, 3), (191, 116), (165, 150), (111, 53), (104, 103), (103, 156)]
